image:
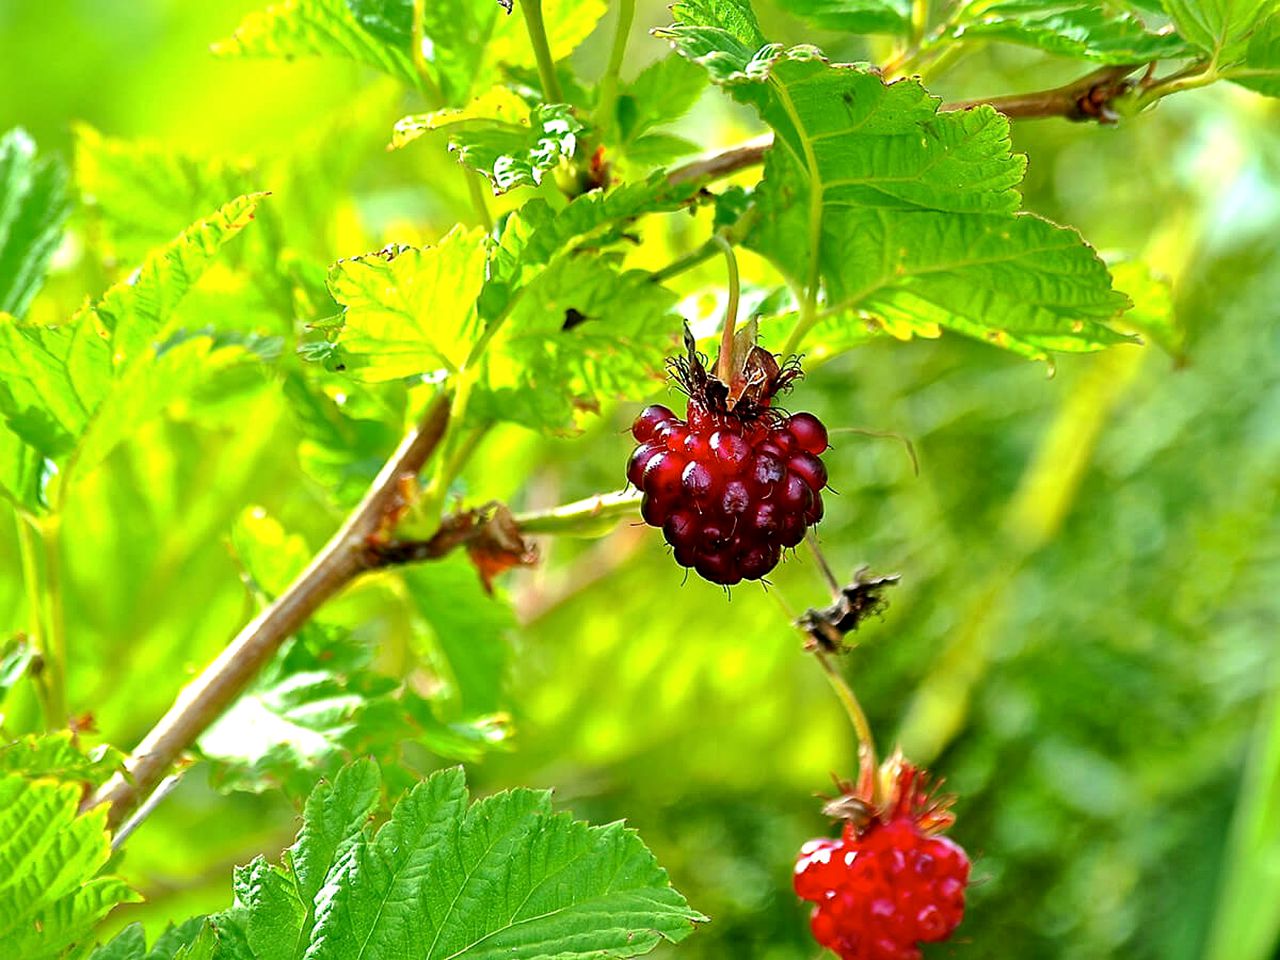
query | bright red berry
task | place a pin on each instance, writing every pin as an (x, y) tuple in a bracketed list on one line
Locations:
[(735, 482), (889, 882)]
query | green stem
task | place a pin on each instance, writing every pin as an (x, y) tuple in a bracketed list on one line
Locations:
[(725, 368), (746, 223), (857, 717), (55, 617), (1197, 75), (475, 184), (532, 10), (582, 516), (609, 82), (420, 65), (49, 682), (809, 304), (686, 262), (848, 699), (431, 504), (919, 22)]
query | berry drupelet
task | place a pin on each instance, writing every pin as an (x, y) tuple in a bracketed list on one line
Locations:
[(889, 882), (737, 481)]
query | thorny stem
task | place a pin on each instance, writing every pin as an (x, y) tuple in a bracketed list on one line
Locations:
[(725, 367), (341, 560), (532, 10)]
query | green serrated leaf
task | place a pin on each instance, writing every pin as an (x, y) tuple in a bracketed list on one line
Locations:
[(503, 877), (326, 28), (463, 634), (662, 92), (1220, 27), (56, 756), (1153, 314), (1259, 71), (391, 21), (536, 234), (1101, 33), (855, 16), (908, 217), (502, 138), (134, 314), (147, 193), (71, 393), (410, 310), (583, 332), (499, 106), (334, 820), (465, 42), (129, 944), (33, 208), (50, 892), (315, 705)]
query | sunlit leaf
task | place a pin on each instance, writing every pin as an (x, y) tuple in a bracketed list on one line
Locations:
[(1221, 27), (855, 16), (1260, 68), (327, 28), (409, 310), (503, 877), (51, 893), (502, 138), (916, 223), (581, 334), (1102, 33), (56, 382), (56, 756), (33, 207)]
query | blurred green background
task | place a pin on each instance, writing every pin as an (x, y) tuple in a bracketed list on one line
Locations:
[(1084, 642)]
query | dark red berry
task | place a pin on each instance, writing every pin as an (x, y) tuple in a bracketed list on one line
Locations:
[(808, 431), (736, 498), (639, 460), (810, 469), (650, 419), (697, 481), (662, 475), (730, 449), (736, 481), (766, 471)]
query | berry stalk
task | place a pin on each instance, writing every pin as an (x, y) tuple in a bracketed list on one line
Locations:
[(848, 699), (725, 368), (857, 716)]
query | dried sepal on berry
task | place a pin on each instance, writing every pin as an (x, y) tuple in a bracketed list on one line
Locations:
[(826, 628)]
